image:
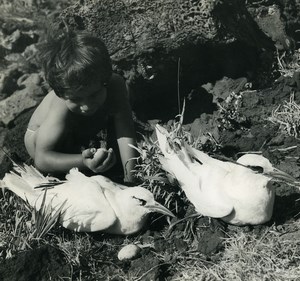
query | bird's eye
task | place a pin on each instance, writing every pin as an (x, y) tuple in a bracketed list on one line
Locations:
[(142, 202), (257, 169)]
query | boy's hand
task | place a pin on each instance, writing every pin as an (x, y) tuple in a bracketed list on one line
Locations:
[(99, 160)]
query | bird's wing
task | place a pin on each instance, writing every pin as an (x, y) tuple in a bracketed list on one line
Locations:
[(207, 192), (202, 185), (200, 180), (165, 165), (206, 159), (106, 183), (75, 176), (86, 208)]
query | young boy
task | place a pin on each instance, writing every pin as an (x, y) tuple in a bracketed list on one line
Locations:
[(86, 95)]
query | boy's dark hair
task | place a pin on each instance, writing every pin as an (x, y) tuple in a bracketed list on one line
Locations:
[(74, 59)]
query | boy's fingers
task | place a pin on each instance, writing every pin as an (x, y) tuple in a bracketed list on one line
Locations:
[(89, 153), (114, 158), (110, 160), (100, 155)]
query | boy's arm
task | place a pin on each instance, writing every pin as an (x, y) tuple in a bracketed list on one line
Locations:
[(48, 159), (49, 156), (49, 137), (124, 128), (128, 157)]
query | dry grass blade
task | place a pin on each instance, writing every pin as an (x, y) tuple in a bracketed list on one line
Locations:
[(45, 218), (287, 115), (288, 64), (249, 257)]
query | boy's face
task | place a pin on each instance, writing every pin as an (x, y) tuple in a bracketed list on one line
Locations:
[(87, 100)]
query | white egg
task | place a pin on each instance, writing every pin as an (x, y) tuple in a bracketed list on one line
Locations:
[(129, 252)]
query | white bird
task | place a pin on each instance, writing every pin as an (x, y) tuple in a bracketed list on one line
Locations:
[(87, 203), (231, 191)]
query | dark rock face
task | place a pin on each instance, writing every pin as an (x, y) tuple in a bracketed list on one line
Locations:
[(132, 28), (290, 14), (157, 44)]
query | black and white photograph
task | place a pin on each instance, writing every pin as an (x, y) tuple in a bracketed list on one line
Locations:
[(149, 140)]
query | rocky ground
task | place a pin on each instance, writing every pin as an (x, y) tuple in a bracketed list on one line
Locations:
[(236, 117)]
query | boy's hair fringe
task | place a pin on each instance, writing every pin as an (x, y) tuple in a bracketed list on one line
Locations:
[(72, 59)]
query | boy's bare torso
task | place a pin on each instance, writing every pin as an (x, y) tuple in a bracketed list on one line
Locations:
[(78, 130)]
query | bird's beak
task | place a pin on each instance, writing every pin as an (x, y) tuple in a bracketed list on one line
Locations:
[(160, 209), (282, 176)]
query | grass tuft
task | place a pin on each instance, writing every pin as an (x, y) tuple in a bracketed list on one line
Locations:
[(288, 64), (247, 256), (287, 115), (22, 227)]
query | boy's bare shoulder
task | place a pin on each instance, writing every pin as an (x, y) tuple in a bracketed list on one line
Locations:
[(54, 106), (51, 107)]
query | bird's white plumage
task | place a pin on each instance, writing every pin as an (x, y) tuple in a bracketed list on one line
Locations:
[(216, 188), (88, 203), (207, 197)]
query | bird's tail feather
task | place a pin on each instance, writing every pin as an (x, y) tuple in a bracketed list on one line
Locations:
[(18, 185), (26, 169), (164, 163), (162, 138), (22, 181), (203, 158), (169, 147), (197, 154), (175, 160), (31, 175)]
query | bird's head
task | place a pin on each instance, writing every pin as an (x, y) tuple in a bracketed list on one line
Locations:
[(262, 165), (140, 200)]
